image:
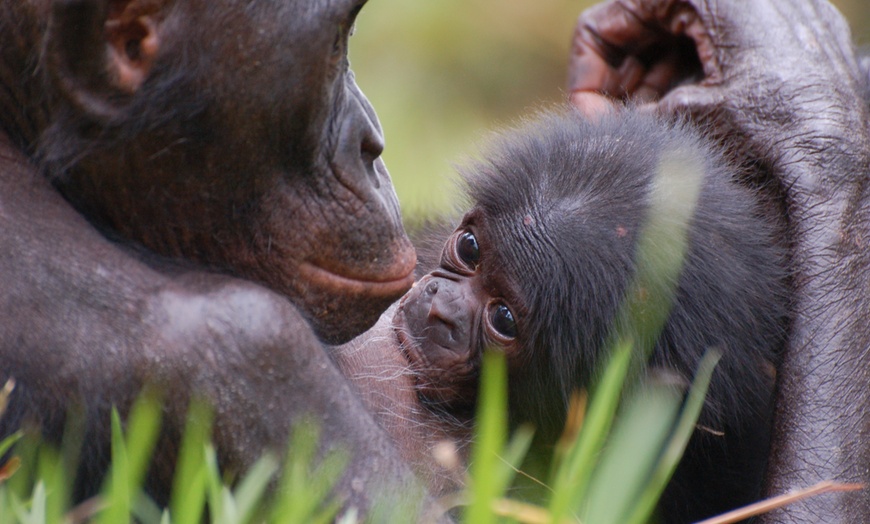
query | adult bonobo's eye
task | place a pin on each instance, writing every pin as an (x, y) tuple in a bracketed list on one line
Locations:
[(467, 249), (502, 320)]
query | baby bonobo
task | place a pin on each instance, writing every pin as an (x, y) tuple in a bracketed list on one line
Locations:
[(538, 269)]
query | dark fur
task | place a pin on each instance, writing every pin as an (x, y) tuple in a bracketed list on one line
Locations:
[(191, 196), (564, 202)]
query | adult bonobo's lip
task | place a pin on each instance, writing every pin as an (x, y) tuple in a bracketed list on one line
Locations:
[(341, 300), (393, 282)]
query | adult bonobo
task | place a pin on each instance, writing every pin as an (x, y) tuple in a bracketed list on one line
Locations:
[(780, 83), (229, 135)]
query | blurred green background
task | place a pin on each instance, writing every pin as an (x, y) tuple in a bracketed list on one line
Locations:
[(443, 73)]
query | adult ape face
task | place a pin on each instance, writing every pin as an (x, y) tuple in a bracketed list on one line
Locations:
[(228, 143), (233, 134)]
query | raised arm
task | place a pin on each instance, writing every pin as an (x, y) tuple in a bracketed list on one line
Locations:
[(778, 81)]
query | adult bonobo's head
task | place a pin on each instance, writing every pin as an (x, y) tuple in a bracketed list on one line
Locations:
[(228, 132)]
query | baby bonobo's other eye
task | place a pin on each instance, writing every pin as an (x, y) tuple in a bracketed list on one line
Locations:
[(502, 320), (467, 249)]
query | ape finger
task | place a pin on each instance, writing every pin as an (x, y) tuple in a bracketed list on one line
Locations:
[(639, 49), (591, 105)]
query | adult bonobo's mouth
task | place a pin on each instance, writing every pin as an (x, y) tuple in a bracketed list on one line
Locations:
[(391, 283), (343, 302)]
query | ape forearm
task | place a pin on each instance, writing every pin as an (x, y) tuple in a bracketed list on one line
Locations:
[(780, 82), (823, 408)]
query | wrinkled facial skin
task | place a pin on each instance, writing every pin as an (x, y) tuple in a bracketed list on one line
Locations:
[(282, 180), (451, 315)]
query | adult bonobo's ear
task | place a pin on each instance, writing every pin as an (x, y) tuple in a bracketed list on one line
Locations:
[(100, 51)]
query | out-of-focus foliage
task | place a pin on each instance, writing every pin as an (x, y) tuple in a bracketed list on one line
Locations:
[(857, 12), (442, 73)]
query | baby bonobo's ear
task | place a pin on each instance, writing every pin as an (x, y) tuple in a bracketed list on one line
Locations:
[(592, 105)]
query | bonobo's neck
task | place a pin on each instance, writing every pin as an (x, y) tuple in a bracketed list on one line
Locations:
[(374, 364), (22, 24)]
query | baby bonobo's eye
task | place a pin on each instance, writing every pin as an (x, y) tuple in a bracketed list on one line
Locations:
[(467, 249), (502, 320)]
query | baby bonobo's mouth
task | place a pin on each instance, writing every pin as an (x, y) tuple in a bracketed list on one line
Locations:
[(442, 374)]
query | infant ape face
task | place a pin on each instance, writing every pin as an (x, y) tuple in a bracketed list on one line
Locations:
[(541, 265), (454, 312)]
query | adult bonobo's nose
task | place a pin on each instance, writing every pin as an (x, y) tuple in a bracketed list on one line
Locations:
[(373, 263)]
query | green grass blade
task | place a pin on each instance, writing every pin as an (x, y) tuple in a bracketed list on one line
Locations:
[(639, 435), (215, 487), (513, 455), (677, 445), (143, 428), (7, 443), (116, 492), (52, 475), (130, 457), (489, 440), (6, 513), (252, 490), (189, 485), (293, 504), (571, 477), (303, 495), (145, 510), (35, 514), (322, 481), (22, 482)]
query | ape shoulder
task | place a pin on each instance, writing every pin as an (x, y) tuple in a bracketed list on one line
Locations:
[(230, 320)]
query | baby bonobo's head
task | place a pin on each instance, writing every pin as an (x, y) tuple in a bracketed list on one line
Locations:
[(539, 266)]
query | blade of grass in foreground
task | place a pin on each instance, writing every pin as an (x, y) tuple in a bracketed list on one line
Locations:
[(640, 433), (485, 487), (513, 455), (216, 490), (7, 443), (189, 485), (53, 477), (674, 451), (571, 478), (130, 457), (238, 506), (117, 491), (251, 491), (303, 495)]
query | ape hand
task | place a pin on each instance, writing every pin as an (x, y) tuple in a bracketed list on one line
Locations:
[(782, 75)]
